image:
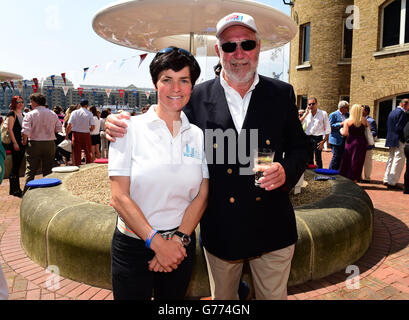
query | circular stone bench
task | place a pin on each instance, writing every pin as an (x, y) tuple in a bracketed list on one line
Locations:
[(59, 229)]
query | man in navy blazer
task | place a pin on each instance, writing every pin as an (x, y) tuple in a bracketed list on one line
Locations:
[(239, 112), (243, 221), (336, 140), (395, 141)]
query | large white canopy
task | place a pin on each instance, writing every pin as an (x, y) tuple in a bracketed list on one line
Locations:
[(151, 25), (7, 76)]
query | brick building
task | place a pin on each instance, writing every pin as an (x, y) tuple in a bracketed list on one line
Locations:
[(356, 50)]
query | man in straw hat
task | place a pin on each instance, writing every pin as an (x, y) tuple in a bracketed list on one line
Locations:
[(243, 222)]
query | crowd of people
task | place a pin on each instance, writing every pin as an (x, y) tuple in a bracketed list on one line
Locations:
[(36, 134), (162, 184), (351, 135)]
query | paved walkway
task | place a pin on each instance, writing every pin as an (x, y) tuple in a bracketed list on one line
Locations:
[(384, 269)]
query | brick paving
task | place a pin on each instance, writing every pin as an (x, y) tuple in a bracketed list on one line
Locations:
[(384, 269)]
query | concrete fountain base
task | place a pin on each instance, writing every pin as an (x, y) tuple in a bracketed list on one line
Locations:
[(63, 230)]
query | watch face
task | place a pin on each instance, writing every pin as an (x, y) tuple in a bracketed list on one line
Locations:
[(185, 240)]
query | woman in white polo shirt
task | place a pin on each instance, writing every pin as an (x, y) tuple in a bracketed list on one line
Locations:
[(159, 185)]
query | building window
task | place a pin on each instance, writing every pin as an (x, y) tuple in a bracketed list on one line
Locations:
[(305, 43), (395, 23), (302, 102), (347, 42), (385, 107), (344, 98)]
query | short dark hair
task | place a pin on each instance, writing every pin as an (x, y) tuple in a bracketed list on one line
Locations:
[(38, 98), (104, 114), (93, 110), (84, 102), (57, 109), (366, 108), (176, 60)]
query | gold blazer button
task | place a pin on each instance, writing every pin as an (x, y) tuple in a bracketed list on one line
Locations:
[(215, 146), (229, 171), (258, 199), (268, 142), (232, 200)]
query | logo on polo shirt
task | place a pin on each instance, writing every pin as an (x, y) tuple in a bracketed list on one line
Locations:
[(191, 152)]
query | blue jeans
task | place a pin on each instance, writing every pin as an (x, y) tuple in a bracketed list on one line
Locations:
[(131, 278), (337, 152)]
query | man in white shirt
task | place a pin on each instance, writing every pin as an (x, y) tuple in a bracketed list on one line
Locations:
[(317, 128), (81, 123)]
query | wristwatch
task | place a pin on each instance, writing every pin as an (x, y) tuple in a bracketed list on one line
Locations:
[(184, 238)]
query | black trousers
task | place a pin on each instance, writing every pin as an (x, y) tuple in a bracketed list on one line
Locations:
[(17, 157), (131, 278), (314, 151)]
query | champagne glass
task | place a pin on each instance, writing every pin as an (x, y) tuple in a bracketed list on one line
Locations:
[(263, 159)]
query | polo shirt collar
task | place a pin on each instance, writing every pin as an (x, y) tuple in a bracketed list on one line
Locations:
[(152, 117)]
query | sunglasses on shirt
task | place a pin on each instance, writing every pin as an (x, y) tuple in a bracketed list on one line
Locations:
[(246, 45)]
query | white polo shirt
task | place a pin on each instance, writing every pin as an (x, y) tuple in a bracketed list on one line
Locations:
[(317, 125), (97, 124), (165, 171), (81, 120)]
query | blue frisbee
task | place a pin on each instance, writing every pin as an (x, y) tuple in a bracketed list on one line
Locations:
[(43, 183), (326, 171)]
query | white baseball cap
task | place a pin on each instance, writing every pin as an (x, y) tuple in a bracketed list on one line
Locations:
[(233, 19)]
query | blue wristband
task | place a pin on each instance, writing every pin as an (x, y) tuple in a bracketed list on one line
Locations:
[(149, 238)]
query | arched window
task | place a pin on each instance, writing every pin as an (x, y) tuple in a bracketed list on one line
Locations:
[(395, 23)]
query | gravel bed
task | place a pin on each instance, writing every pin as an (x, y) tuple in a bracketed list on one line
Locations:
[(93, 185)]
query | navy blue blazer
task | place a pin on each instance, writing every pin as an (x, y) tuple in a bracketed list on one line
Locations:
[(335, 121), (396, 122), (242, 220)]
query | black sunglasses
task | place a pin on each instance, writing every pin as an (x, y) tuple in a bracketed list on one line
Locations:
[(246, 45), (311, 104), (170, 49)]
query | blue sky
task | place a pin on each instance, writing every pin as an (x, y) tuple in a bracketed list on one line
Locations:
[(48, 37)]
